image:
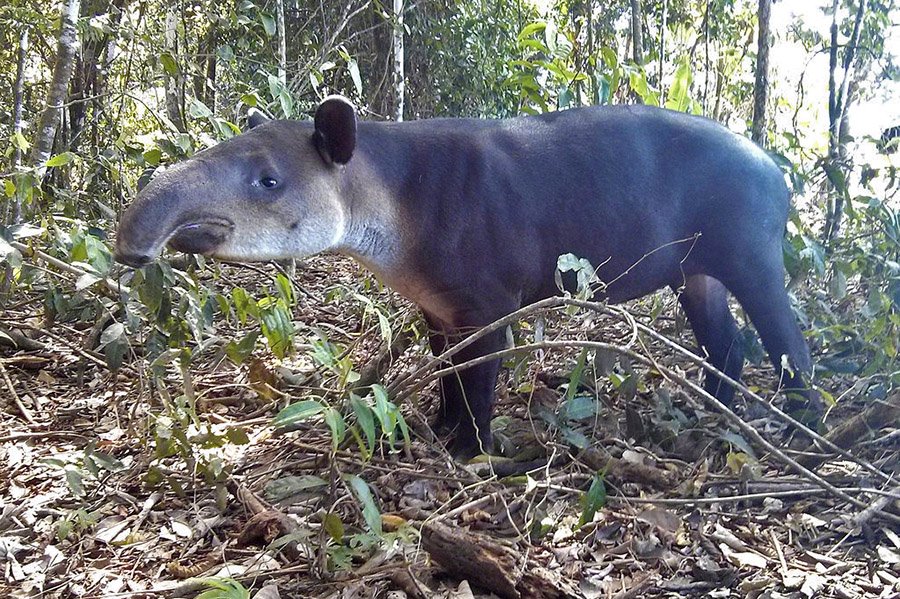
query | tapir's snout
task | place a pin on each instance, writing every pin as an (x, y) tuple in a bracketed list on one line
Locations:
[(132, 260), (197, 236), (202, 236), (173, 210)]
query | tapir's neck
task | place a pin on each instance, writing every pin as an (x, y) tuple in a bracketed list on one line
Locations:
[(372, 233), (375, 185)]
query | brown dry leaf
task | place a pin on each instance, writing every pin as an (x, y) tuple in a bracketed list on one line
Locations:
[(475, 516), (754, 584), (392, 522), (793, 579), (270, 591), (263, 378), (463, 591), (46, 378), (743, 558), (723, 535), (662, 519), (892, 537), (813, 585), (692, 486), (888, 556)]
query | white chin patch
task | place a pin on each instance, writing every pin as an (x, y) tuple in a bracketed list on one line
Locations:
[(340, 227)]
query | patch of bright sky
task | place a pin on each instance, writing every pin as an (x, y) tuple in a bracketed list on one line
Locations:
[(878, 109)]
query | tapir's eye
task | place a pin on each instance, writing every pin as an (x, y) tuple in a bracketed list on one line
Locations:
[(268, 183)]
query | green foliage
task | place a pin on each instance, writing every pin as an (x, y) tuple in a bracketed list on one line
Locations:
[(370, 510), (593, 500), (223, 588)]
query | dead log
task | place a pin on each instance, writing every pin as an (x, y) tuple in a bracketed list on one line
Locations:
[(624, 471), (494, 567), (845, 435)]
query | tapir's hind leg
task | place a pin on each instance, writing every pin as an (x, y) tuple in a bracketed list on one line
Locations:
[(705, 302), (761, 293)]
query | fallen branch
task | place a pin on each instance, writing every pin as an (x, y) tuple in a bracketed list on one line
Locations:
[(16, 340), (670, 374), (403, 388)]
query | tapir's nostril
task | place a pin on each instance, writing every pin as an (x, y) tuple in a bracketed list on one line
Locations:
[(133, 260)]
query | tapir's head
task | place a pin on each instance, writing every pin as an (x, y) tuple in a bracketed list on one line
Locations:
[(273, 192)]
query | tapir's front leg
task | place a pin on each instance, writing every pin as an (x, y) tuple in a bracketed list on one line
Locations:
[(467, 396)]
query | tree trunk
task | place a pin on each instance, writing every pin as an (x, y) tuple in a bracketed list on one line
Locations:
[(662, 50), (205, 74), (174, 94), (706, 58), (761, 87), (637, 35), (838, 104), (56, 97), (18, 93), (399, 82), (282, 43)]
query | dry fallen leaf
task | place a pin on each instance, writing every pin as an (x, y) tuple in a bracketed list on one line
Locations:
[(270, 591), (743, 558)]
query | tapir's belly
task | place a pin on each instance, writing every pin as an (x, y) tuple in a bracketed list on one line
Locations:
[(506, 258)]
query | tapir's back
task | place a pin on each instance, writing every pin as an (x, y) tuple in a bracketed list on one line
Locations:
[(645, 194)]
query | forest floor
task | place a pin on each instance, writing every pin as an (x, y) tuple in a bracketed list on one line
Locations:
[(106, 493)]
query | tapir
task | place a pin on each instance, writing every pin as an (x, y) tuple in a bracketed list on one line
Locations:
[(467, 218)]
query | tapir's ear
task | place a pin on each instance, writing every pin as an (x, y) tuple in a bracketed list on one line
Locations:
[(255, 118), (336, 129)]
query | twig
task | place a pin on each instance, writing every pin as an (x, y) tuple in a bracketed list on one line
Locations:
[(558, 302), (26, 413), (671, 374), (112, 286)]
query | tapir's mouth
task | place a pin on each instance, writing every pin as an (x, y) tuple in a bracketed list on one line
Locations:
[(201, 236)]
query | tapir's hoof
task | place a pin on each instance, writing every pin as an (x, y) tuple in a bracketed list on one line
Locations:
[(465, 447), (444, 425), (805, 407)]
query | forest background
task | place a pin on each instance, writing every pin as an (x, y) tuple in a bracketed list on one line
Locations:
[(95, 95)]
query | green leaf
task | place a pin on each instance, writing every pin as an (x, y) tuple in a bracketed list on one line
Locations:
[(353, 68), (384, 409), (575, 438), (334, 527), (223, 588), (153, 156), (268, 23), (10, 188), (244, 305), (239, 351), (287, 486), (107, 462), (114, 342), (582, 407), (169, 63), (593, 500), (575, 377), (285, 289), (370, 511), (276, 326), (365, 418), (679, 92), (335, 422), (75, 481), (61, 159), (297, 412), (25, 231), (20, 142), (86, 280)]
